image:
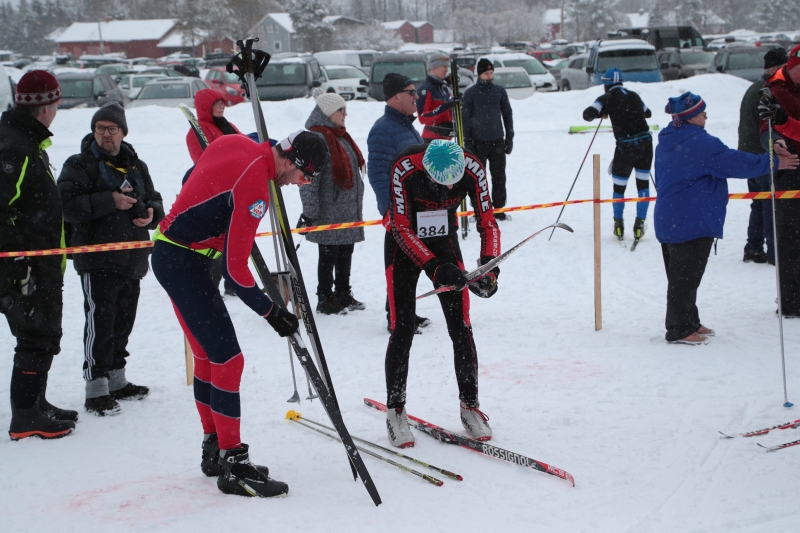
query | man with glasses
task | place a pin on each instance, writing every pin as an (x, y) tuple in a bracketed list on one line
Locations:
[(108, 196), (217, 214), (390, 135)]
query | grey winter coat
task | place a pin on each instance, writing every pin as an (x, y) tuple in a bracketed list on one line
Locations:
[(325, 203)]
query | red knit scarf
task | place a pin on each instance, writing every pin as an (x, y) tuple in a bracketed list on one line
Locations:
[(340, 161)]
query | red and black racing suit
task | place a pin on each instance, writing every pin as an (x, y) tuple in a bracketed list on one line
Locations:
[(410, 248), (217, 211)]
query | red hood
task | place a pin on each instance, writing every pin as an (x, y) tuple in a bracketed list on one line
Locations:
[(203, 102)]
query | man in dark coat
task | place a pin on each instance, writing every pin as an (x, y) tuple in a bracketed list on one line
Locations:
[(486, 112), (30, 287), (759, 228), (108, 196), (436, 103)]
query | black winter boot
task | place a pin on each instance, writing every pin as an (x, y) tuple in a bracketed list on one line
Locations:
[(345, 298), (243, 478), (51, 411), (32, 423), (102, 406), (755, 256), (328, 304)]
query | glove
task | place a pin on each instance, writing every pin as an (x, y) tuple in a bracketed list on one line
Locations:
[(22, 276), (282, 321), (509, 145), (448, 275), (454, 102), (304, 221), (770, 109), (486, 286)]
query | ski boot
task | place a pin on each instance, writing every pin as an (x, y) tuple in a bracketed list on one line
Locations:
[(639, 228), (243, 478), (397, 427), (209, 463), (475, 422), (619, 228)]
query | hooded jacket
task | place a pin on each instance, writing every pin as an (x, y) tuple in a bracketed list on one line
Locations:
[(788, 95), (325, 203), (435, 109), (89, 208), (203, 102), (482, 109), (691, 169)]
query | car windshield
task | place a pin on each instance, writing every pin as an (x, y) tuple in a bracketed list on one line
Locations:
[(345, 73), (231, 77), (465, 62), (512, 80), (76, 88), (412, 69), (697, 58), (746, 60), (165, 90), (562, 64), (139, 81), (636, 60), (531, 65), (283, 74)]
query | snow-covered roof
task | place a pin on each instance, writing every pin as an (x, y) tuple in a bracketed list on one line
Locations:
[(117, 31), (419, 23), (638, 20), (393, 24), (53, 35), (175, 39), (333, 19), (283, 20), (625, 44)]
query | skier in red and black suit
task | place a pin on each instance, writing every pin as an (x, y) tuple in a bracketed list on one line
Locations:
[(428, 184), (217, 214), (436, 103)]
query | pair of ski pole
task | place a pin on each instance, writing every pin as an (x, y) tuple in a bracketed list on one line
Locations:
[(300, 419)]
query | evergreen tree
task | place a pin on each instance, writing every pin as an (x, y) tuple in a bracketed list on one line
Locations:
[(309, 24), (691, 13), (777, 15), (591, 19)]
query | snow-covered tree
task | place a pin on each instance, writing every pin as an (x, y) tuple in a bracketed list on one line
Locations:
[(776, 15), (203, 19), (309, 24), (691, 13), (371, 36), (657, 17), (591, 19)]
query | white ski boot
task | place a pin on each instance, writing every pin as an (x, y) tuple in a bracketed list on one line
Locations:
[(475, 422), (397, 427)]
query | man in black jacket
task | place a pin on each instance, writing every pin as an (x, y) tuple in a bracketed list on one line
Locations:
[(485, 111), (108, 196), (30, 287), (759, 227)]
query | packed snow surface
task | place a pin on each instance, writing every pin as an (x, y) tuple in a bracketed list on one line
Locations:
[(632, 418)]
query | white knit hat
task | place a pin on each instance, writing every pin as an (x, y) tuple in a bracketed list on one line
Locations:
[(330, 103)]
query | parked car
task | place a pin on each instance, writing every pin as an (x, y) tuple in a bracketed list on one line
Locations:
[(665, 36), (680, 63), (226, 83), (723, 42), (412, 65), (6, 90), (515, 81), (131, 84), (555, 69), (112, 69), (361, 59), (89, 89), (291, 77), (571, 49), (745, 61), (546, 55), (541, 79), (636, 59), (169, 92), (574, 76), (346, 81)]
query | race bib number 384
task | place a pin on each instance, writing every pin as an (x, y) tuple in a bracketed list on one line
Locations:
[(432, 224)]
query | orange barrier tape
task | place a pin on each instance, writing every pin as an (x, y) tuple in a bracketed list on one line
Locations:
[(784, 195)]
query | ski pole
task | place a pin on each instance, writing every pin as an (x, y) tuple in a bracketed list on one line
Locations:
[(576, 176), (293, 415), (786, 402), (442, 471), (296, 396)]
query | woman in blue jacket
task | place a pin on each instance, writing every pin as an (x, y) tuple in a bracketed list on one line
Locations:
[(691, 171)]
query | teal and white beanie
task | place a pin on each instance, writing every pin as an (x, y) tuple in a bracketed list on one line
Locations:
[(444, 162)]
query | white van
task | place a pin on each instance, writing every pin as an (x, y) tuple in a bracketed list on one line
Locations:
[(357, 58), (540, 76), (6, 94)]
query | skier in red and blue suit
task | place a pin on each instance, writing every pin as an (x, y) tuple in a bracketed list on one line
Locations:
[(435, 104), (217, 213)]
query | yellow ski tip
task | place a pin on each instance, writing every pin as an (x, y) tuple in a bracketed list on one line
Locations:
[(293, 415)]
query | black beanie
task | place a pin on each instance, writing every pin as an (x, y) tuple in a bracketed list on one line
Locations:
[(484, 65), (111, 112), (394, 83), (775, 58)]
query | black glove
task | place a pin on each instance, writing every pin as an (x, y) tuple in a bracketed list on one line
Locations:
[(770, 109), (448, 275), (486, 286), (509, 145), (304, 221), (454, 102), (22, 276), (282, 321)]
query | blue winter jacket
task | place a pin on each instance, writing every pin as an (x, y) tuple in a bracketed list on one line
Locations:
[(691, 169), (390, 135)]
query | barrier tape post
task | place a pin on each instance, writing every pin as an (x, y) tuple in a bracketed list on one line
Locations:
[(598, 295)]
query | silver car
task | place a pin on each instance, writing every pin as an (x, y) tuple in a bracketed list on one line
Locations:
[(574, 75), (169, 92)]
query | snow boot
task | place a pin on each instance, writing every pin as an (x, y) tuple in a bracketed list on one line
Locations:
[(694, 339), (502, 216), (102, 406), (33, 423), (755, 256), (619, 228), (51, 411), (328, 304), (421, 322), (475, 422), (130, 392), (345, 298), (397, 427), (243, 478), (639, 228)]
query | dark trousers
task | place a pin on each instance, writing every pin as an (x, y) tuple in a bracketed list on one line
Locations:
[(495, 153), (787, 222), (685, 264), (334, 267), (109, 303), (401, 279), (759, 228)]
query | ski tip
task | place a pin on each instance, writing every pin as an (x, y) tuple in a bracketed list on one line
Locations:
[(563, 226), (788, 404), (293, 415), (725, 436), (768, 448)]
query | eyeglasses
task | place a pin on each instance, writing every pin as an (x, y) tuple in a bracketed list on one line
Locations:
[(113, 130), (411, 92)]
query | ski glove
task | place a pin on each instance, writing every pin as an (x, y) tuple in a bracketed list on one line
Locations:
[(452, 103), (486, 286), (770, 109), (509, 145), (304, 221), (449, 275), (282, 321)]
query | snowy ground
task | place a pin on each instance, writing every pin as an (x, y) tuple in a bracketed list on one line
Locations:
[(633, 419)]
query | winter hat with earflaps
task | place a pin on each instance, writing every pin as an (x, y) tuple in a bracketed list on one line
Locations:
[(330, 103), (37, 88), (444, 162), (684, 107), (306, 151)]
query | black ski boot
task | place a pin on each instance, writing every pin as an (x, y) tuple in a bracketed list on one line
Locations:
[(32, 423), (328, 304), (243, 478), (345, 298), (639, 228), (209, 464), (619, 228)]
